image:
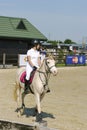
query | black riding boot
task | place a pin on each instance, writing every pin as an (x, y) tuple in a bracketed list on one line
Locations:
[(26, 90)]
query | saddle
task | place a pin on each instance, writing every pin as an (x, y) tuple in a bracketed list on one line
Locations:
[(23, 75)]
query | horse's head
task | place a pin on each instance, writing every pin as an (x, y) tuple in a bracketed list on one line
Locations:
[(50, 63)]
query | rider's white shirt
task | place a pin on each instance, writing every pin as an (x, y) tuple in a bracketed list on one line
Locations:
[(34, 54)]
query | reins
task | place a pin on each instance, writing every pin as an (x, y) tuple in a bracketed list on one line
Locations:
[(48, 71), (46, 78)]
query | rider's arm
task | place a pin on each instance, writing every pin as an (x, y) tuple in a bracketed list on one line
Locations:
[(29, 60)]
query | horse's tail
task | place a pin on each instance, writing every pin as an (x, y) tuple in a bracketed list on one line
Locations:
[(16, 91)]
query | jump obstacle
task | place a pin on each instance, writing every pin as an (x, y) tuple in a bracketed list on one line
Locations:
[(12, 125)]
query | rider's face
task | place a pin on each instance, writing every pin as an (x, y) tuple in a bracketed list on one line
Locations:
[(38, 47)]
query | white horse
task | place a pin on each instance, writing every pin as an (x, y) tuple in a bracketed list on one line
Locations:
[(38, 85)]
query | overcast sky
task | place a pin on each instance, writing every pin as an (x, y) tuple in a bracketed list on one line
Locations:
[(56, 19)]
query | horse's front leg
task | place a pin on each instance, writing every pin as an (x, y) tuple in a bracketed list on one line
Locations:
[(38, 116), (41, 97)]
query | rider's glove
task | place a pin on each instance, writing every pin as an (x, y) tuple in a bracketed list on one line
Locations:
[(34, 67)]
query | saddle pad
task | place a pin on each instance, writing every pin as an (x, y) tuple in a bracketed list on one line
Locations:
[(23, 75), (22, 78)]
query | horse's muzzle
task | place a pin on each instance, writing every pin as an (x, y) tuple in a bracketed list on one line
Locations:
[(54, 71)]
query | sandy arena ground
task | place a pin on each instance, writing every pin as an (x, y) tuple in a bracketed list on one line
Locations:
[(65, 108)]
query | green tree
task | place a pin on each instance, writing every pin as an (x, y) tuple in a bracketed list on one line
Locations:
[(68, 41), (53, 42)]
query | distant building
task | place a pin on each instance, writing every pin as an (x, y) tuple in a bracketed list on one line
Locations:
[(16, 35)]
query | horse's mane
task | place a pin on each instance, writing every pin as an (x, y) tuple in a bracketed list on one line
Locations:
[(48, 56)]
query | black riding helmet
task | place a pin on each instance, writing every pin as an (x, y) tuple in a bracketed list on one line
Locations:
[(36, 42)]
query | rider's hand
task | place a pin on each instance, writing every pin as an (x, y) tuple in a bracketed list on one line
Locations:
[(34, 68)]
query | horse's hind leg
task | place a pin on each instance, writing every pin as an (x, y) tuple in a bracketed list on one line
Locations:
[(23, 105), (20, 107), (41, 97), (18, 100), (18, 96)]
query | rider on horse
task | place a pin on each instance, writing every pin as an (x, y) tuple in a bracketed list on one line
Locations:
[(33, 62)]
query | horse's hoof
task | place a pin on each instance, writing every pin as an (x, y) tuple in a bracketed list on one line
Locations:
[(34, 119), (39, 117), (35, 112), (18, 114), (43, 123), (22, 111)]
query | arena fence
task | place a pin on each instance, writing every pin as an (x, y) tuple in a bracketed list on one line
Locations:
[(10, 60)]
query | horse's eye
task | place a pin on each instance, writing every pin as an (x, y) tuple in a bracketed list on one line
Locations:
[(48, 62)]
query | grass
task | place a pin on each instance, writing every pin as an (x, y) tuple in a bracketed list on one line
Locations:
[(63, 65)]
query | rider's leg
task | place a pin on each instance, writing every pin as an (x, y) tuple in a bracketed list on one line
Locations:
[(27, 84), (26, 90)]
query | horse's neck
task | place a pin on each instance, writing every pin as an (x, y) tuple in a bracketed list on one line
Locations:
[(43, 67), (45, 73)]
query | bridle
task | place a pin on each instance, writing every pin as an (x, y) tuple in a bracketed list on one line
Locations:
[(49, 68), (46, 74)]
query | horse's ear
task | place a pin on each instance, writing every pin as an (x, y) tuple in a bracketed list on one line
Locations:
[(49, 55)]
